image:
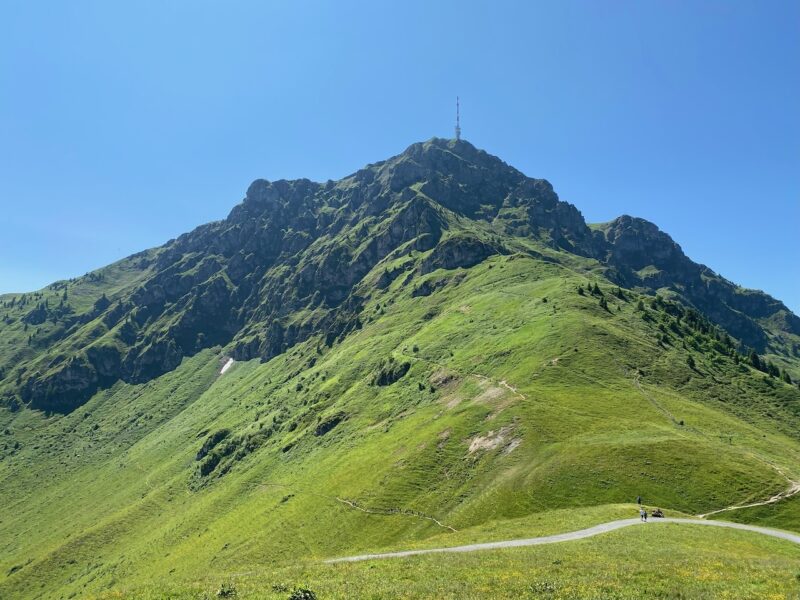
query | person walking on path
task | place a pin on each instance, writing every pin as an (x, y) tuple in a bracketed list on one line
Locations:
[(639, 500), (643, 514)]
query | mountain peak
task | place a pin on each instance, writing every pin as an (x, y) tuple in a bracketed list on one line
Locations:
[(451, 155)]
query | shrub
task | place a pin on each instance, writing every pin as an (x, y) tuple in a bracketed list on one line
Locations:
[(302, 594)]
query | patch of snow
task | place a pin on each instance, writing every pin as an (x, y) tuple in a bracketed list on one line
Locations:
[(226, 366)]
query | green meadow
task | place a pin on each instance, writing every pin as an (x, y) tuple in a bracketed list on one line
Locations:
[(505, 404)]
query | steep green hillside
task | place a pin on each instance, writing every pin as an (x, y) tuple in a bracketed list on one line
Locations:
[(444, 357)]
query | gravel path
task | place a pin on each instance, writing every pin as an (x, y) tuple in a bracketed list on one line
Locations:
[(572, 535)]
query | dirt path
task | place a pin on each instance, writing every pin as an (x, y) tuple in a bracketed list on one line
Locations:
[(793, 489), (572, 535), (384, 512)]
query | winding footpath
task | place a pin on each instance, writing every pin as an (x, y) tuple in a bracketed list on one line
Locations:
[(572, 535)]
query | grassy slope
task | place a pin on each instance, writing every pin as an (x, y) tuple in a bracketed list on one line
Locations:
[(783, 515), (108, 496), (19, 343)]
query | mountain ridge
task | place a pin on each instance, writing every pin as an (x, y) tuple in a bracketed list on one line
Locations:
[(289, 261)]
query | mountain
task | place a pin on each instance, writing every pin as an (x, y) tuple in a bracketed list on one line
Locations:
[(288, 261), (435, 342)]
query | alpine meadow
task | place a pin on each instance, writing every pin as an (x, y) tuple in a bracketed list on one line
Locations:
[(432, 352)]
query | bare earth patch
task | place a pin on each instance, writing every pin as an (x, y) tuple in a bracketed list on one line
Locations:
[(512, 446), (490, 441), (492, 392), (447, 381), (443, 437)]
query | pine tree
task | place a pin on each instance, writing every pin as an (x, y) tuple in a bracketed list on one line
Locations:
[(772, 369), (690, 362)]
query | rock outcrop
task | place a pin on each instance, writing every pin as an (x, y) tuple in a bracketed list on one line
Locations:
[(293, 260)]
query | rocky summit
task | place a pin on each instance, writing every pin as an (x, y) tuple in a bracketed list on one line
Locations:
[(434, 351)]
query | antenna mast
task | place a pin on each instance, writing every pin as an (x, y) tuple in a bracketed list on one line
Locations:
[(458, 121)]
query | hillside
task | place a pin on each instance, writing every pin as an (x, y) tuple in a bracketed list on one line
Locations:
[(432, 346)]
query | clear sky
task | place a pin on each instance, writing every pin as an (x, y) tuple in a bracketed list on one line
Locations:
[(124, 124)]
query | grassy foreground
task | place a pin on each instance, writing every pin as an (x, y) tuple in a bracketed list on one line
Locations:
[(652, 561)]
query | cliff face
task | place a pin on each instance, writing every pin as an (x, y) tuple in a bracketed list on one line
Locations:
[(641, 255), (294, 260)]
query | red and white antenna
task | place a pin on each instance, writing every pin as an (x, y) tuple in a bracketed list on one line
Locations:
[(458, 121)]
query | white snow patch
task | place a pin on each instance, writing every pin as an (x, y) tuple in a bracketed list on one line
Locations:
[(226, 366)]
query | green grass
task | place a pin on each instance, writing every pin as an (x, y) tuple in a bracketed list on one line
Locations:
[(784, 514), (108, 498), (658, 561)]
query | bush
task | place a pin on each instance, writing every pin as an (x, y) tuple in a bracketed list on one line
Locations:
[(302, 594)]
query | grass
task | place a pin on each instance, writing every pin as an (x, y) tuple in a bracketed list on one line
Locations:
[(528, 409), (784, 514), (658, 561)]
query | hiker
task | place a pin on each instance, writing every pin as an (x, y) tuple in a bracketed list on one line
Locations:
[(639, 500), (643, 514)]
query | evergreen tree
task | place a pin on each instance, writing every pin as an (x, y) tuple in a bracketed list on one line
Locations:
[(772, 369), (755, 361), (690, 362)]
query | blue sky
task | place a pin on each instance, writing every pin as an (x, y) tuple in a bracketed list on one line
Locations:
[(124, 124)]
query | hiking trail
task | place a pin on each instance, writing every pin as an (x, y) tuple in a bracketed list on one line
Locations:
[(572, 535)]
